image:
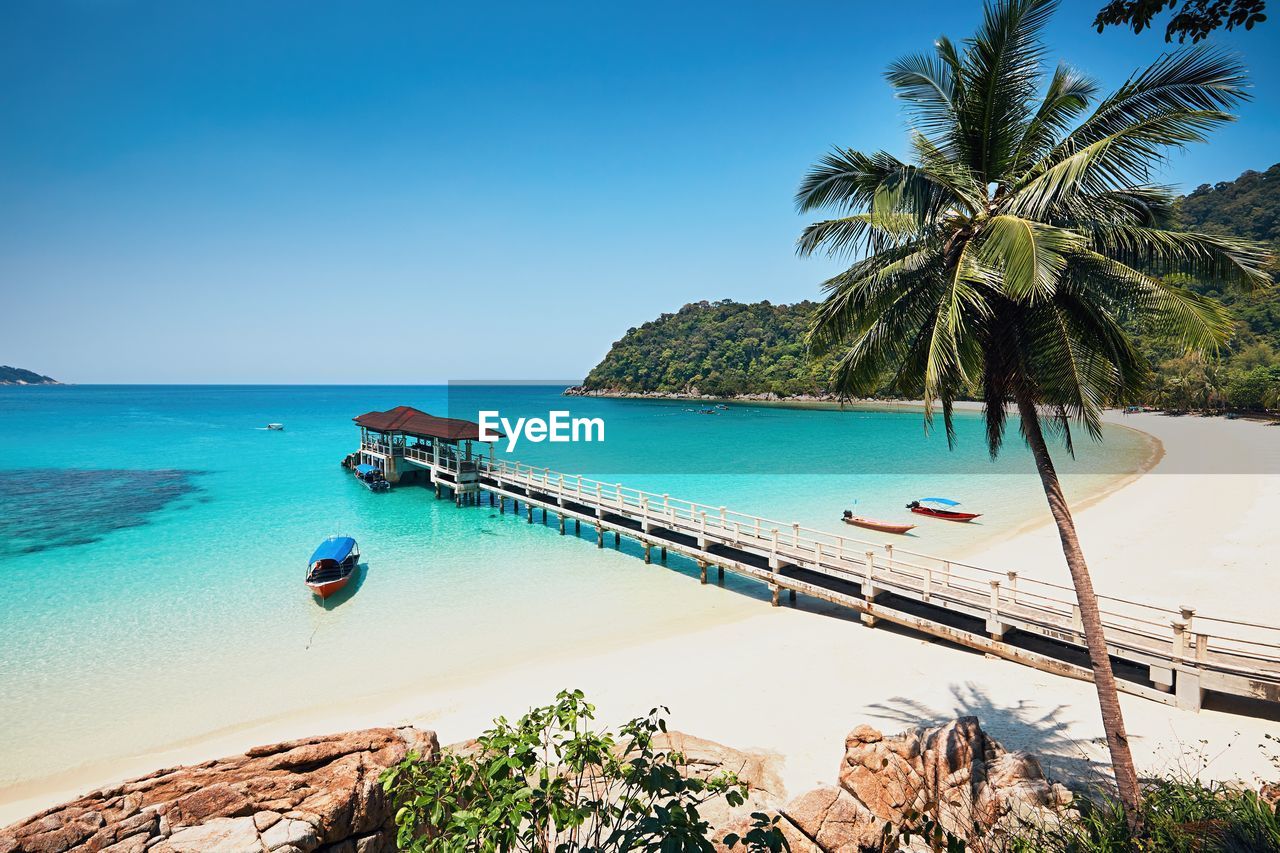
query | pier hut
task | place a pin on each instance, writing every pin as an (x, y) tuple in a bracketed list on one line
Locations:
[(407, 444)]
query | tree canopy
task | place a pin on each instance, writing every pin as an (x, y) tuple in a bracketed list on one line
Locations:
[(1195, 19)]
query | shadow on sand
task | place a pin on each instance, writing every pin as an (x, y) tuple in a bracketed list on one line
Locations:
[(1024, 725)]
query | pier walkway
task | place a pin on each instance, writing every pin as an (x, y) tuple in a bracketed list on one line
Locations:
[(1179, 657), (1171, 656)]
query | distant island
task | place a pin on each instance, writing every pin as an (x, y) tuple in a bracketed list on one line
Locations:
[(18, 376), (728, 349)]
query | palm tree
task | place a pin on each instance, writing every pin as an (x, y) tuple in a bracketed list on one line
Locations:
[(1005, 260)]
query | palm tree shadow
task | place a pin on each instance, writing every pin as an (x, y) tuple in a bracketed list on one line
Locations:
[(1025, 725)]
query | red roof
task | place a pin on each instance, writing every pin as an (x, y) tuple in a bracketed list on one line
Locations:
[(411, 421)]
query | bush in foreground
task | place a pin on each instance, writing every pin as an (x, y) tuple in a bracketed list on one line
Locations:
[(548, 782), (1178, 817)]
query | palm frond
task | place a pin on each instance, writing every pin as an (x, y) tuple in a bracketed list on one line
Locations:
[(868, 286), (1124, 158), (1189, 319), (1001, 72), (929, 84), (1030, 255), (1146, 205), (951, 173), (1196, 79), (1067, 97), (853, 182), (1208, 257)]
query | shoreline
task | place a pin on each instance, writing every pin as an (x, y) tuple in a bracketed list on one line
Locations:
[(898, 673)]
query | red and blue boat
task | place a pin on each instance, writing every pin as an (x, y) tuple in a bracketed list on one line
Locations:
[(941, 508), (332, 565)]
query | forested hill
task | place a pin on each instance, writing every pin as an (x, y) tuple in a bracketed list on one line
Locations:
[(723, 348), (1249, 206), (18, 376), (729, 348)]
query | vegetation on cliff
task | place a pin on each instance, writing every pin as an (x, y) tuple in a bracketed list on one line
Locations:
[(728, 348), (724, 348), (19, 376)]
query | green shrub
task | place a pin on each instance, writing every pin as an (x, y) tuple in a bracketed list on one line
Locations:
[(549, 784), (1178, 817)]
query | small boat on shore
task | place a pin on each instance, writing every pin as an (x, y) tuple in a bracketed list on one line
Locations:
[(876, 524), (372, 478), (332, 565), (941, 508), (276, 427)]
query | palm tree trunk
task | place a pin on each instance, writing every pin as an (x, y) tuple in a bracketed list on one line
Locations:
[(1103, 678)]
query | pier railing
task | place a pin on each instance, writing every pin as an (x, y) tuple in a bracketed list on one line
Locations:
[(1178, 635)]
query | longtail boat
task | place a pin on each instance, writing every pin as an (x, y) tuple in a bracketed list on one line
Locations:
[(876, 524), (332, 565), (938, 508)]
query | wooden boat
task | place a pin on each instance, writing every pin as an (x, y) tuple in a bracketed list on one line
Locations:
[(332, 565), (938, 508), (876, 524)]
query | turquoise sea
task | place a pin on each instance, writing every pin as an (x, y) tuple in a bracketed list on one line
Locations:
[(153, 543)]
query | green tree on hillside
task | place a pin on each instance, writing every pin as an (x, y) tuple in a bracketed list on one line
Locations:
[(1004, 260), (724, 348)]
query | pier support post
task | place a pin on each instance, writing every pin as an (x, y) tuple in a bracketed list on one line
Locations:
[(599, 536), (702, 571), (1187, 688), (995, 628), (502, 506), (773, 594), (869, 589), (1189, 693), (720, 573), (544, 515), (577, 527), (662, 554), (561, 524), (617, 539), (437, 485), (791, 593), (647, 558), (529, 511)]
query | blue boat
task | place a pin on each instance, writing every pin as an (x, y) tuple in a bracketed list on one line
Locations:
[(332, 565), (372, 478)]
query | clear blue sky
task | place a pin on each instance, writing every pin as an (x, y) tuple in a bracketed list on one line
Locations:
[(414, 192)]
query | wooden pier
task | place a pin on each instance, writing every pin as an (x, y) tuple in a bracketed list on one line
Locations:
[(1171, 656), (1178, 657)]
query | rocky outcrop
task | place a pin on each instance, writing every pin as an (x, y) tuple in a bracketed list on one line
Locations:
[(759, 771), (322, 794), (954, 774), (319, 793)]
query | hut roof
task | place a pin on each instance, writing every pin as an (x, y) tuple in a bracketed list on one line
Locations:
[(411, 421)]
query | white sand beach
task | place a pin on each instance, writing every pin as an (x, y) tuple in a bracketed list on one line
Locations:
[(1198, 529)]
